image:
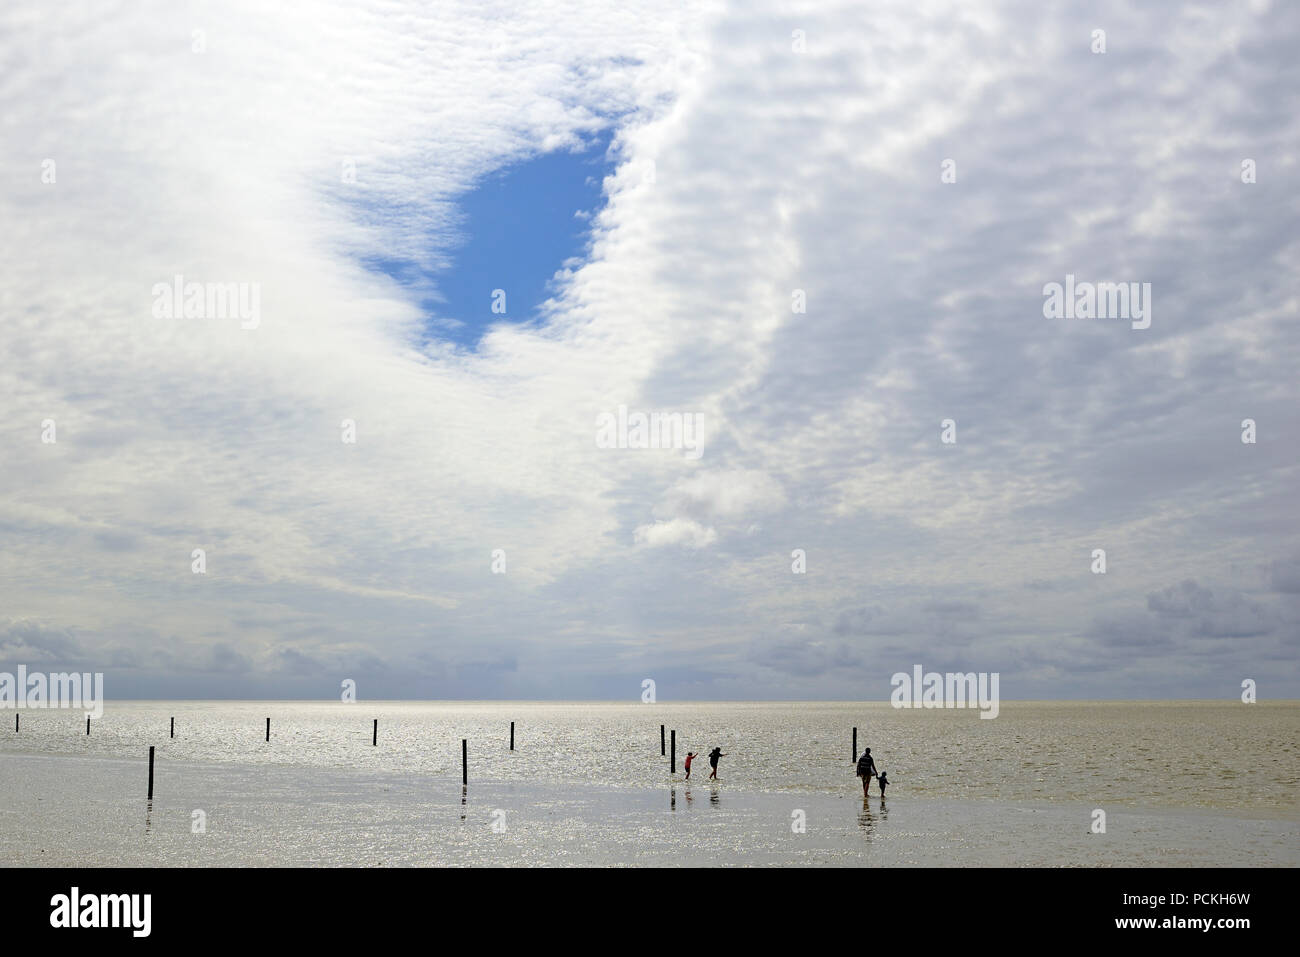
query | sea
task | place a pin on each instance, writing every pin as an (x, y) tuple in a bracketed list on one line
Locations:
[(1044, 784)]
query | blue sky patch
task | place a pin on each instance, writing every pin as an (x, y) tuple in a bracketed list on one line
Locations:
[(518, 227)]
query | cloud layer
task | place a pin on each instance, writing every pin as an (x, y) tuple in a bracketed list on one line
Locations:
[(778, 253)]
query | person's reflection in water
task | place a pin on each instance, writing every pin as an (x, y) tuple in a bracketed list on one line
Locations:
[(866, 820), (713, 798), (884, 809), (688, 797)]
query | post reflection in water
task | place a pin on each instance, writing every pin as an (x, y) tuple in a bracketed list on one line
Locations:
[(148, 814)]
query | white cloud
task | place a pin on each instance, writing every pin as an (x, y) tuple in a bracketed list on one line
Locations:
[(724, 495), (677, 531)]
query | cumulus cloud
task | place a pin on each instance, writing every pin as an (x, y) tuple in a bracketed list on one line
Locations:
[(677, 531), (23, 639), (1228, 615), (726, 494)]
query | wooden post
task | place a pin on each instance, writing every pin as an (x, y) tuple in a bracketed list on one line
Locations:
[(173, 734), (663, 748), (268, 729), (151, 772), (15, 723), (512, 735), (87, 725), (374, 737), (855, 745), (673, 765), (464, 761)]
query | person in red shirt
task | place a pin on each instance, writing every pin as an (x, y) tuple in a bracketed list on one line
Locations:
[(689, 756)]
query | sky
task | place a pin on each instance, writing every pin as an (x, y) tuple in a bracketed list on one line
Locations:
[(820, 232), (518, 225)]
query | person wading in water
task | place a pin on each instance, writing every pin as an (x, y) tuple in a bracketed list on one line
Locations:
[(713, 760), (866, 770)]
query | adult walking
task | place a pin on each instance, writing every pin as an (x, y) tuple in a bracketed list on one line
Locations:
[(713, 761), (866, 770)]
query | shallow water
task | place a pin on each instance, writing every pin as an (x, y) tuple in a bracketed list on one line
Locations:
[(587, 785), (1227, 756)]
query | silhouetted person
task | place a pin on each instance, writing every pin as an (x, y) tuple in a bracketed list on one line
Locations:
[(883, 780), (866, 770), (713, 761)]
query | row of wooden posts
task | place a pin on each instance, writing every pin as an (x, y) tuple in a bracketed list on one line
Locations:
[(464, 747), (374, 742)]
